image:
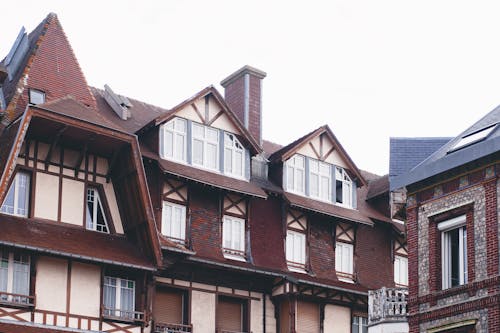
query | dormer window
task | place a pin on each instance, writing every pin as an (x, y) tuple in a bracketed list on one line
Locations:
[(320, 184), (295, 173), (205, 146), (173, 143), (36, 96), (96, 219), (343, 187)]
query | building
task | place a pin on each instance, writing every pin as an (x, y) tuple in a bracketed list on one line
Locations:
[(452, 229), (120, 216)]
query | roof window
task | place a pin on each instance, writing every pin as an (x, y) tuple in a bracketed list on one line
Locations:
[(472, 138)]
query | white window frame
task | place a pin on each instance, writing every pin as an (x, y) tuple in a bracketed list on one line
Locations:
[(36, 96), (344, 261), (295, 167), (446, 227), (318, 172), (296, 251), (167, 222), (177, 128), (361, 323), (233, 231), (347, 187), (119, 311), (21, 178), (206, 142), (13, 275), (91, 217), (235, 148), (400, 271)]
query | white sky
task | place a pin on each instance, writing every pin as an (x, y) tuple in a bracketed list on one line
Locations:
[(369, 69)]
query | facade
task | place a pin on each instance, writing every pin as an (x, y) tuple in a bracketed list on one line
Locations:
[(452, 223), (119, 216)]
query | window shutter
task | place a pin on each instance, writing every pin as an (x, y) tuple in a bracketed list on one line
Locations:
[(167, 307), (247, 163), (307, 317), (229, 314), (285, 317), (334, 184), (354, 195), (306, 181), (189, 142), (221, 151)]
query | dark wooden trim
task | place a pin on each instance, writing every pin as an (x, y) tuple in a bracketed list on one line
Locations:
[(315, 151), (53, 144), (198, 113), (68, 291), (328, 153), (59, 201), (79, 160)]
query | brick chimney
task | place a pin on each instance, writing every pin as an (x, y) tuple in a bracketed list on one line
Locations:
[(243, 94)]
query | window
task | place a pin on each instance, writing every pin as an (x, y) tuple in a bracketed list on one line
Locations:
[(344, 261), (14, 277), (205, 146), (119, 298), (173, 140), (234, 155), (472, 138), (36, 96), (319, 180), (295, 171), (173, 222), (232, 315), (401, 271), (96, 219), (170, 310), (453, 251), (17, 200), (233, 238), (296, 250), (343, 187), (359, 325)]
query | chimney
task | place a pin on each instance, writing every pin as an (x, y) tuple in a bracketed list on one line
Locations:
[(243, 94)]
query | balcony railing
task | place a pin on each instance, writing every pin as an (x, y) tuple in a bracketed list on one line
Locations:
[(122, 315), (226, 331), (172, 328), (387, 304), (17, 299)]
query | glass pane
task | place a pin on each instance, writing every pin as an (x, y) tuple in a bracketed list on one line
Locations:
[(300, 181), (325, 188), (180, 147), (211, 156), (454, 253), (21, 275), (238, 163), (198, 152), (212, 135), (167, 218), (22, 194), (198, 131), (169, 144), (180, 125), (299, 161), (4, 270), (324, 169), (314, 185), (109, 297), (127, 296), (228, 160), (228, 140), (176, 225), (228, 231), (101, 223), (290, 178), (313, 165), (289, 246), (170, 125), (90, 209), (339, 191), (8, 204)]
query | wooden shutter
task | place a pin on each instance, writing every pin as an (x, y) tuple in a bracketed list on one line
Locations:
[(229, 314), (285, 317), (307, 317), (168, 306)]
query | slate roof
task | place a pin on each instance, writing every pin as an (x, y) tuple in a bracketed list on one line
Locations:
[(445, 159)]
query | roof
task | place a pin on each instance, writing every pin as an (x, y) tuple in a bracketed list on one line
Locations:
[(406, 153), (378, 187), (445, 158), (205, 177), (287, 151), (59, 238)]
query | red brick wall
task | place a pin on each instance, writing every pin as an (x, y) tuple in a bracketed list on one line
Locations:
[(321, 250), (490, 189)]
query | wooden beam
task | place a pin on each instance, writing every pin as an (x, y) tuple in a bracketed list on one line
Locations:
[(53, 145), (83, 152), (111, 164)]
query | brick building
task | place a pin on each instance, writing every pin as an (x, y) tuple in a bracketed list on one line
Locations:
[(452, 229), (120, 216)]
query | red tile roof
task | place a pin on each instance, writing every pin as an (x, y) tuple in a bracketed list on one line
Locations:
[(72, 241)]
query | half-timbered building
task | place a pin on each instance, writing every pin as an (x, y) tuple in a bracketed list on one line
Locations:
[(121, 216)]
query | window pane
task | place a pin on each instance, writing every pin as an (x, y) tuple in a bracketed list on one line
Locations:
[(212, 134), (21, 275), (4, 270), (325, 188), (180, 147), (90, 209), (198, 152), (314, 189), (290, 178), (109, 297), (23, 193), (300, 181), (238, 163), (211, 156), (8, 204), (180, 125), (127, 296), (228, 160), (454, 252), (227, 232), (168, 144), (198, 131), (339, 193), (289, 246), (167, 218)]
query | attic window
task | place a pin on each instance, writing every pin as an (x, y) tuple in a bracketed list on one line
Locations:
[(473, 138), (36, 96)]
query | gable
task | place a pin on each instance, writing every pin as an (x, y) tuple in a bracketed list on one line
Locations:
[(208, 111), (322, 148)]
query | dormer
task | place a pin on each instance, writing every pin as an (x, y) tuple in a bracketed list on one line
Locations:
[(316, 166), (203, 133)]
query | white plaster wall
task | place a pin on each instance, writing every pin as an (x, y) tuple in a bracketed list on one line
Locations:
[(85, 292), (113, 206), (270, 319), (51, 284), (73, 198), (102, 166), (46, 196), (203, 311), (389, 328), (256, 313), (337, 319)]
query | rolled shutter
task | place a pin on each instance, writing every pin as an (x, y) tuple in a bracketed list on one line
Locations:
[(229, 314), (307, 317), (168, 306), (285, 317)]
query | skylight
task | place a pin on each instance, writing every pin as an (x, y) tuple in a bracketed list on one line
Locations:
[(472, 138)]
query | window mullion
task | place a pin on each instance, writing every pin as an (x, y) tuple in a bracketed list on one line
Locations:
[(10, 273), (118, 295)]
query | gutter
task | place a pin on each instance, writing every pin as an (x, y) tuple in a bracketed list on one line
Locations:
[(77, 256)]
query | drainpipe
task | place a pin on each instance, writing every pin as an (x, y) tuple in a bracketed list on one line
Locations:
[(264, 313)]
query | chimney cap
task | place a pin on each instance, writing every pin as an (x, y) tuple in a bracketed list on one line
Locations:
[(242, 71)]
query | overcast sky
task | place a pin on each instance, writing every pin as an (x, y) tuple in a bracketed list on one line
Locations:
[(369, 69)]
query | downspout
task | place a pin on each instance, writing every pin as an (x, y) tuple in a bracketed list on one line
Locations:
[(264, 314)]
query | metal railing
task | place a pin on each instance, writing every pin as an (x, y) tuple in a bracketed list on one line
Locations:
[(17, 299), (387, 304), (172, 328), (122, 315), (227, 331)]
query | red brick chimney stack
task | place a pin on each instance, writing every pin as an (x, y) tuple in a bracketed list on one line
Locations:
[(243, 94)]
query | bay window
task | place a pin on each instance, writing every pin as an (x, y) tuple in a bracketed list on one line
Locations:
[(453, 251), (173, 222), (233, 238), (319, 180), (14, 277), (95, 214), (173, 140), (295, 173), (205, 146), (16, 201), (296, 250), (119, 298), (344, 261)]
